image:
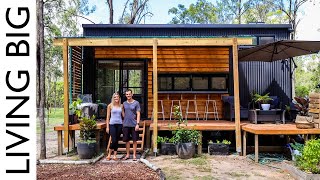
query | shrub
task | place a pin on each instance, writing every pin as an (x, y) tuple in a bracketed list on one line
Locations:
[(87, 127), (310, 159)]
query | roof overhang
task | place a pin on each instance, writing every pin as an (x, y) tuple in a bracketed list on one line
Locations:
[(84, 41)]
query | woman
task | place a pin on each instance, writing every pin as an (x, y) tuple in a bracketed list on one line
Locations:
[(115, 113)]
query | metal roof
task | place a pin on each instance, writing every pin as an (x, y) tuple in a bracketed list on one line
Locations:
[(188, 26)]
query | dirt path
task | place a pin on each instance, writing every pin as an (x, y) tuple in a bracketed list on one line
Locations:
[(217, 167)]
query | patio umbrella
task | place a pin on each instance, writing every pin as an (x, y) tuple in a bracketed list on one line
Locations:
[(279, 50)]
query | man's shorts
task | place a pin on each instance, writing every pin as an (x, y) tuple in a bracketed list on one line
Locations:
[(130, 133)]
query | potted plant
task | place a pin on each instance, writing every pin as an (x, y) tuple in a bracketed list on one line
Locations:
[(219, 148), (303, 120), (86, 146), (74, 112), (263, 100), (167, 145), (184, 139)]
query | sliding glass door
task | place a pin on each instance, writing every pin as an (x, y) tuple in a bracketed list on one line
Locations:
[(120, 75)]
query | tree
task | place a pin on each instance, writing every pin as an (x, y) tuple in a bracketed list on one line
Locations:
[(110, 6), (264, 11), (203, 12), (135, 11), (291, 9), (41, 75), (234, 10)]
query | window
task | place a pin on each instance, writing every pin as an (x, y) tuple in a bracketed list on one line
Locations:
[(266, 40), (200, 83), (218, 83), (181, 83), (165, 83), (193, 82)]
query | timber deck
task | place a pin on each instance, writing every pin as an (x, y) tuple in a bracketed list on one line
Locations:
[(277, 129), (209, 125)]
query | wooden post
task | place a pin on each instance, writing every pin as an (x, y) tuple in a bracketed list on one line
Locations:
[(200, 143), (236, 95), (256, 148), (244, 143), (60, 149), (66, 92), (155, 95)]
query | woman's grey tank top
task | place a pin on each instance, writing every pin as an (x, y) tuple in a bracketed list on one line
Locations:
[(116, 117)]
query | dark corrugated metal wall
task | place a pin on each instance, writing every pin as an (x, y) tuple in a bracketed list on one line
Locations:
[(261, 77)]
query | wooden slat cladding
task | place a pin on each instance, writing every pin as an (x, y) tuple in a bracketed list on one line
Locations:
[(76, 68), (185, 60)]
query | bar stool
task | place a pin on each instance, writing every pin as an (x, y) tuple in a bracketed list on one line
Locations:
[(214, 110), (195, 109), (175, 103), (159, 112)]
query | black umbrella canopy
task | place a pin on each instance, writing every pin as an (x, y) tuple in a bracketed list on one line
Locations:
[(279, 50)]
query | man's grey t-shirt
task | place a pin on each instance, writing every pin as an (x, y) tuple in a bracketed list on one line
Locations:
[(130, 113)]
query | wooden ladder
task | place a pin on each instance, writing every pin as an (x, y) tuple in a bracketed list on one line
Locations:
[(140, 142)]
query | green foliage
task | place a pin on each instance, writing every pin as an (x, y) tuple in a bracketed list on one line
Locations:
[(182, 135), (87, 127), (297, 146), (186, 135), (203, 12), (224, 142), (302, 105), (164, 140), (264, 99), (73, 107), (310, 159), (307, 74)]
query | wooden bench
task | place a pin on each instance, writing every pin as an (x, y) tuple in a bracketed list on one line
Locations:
[(271, 129), (101, 126)]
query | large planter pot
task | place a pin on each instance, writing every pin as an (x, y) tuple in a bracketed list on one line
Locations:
[(304, 122), (168, 149), (185, 150), (86, 150), (265, 106), (218, 149)]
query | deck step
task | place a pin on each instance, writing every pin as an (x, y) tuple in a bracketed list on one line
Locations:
[(131, 142), (140, 135), (131, 149)]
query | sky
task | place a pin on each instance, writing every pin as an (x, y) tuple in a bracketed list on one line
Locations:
[(308, 28)]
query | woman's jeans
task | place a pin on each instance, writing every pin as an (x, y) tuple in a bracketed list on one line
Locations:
[(115, 132)]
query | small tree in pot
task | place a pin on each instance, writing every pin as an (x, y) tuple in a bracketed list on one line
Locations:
[(86, 146), (263, 100), (185, 139)]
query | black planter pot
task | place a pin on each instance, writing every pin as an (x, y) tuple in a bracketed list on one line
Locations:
[(168, 149), (86, 150), (218, 149), (185, 150), (73, 119)]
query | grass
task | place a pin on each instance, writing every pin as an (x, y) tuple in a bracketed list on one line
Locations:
[(207, 177), (238, 174), (200, 162), (197, 161), (55, 118), (172, 174)]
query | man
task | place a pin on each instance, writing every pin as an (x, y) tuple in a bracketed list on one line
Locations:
[(131, 123)]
